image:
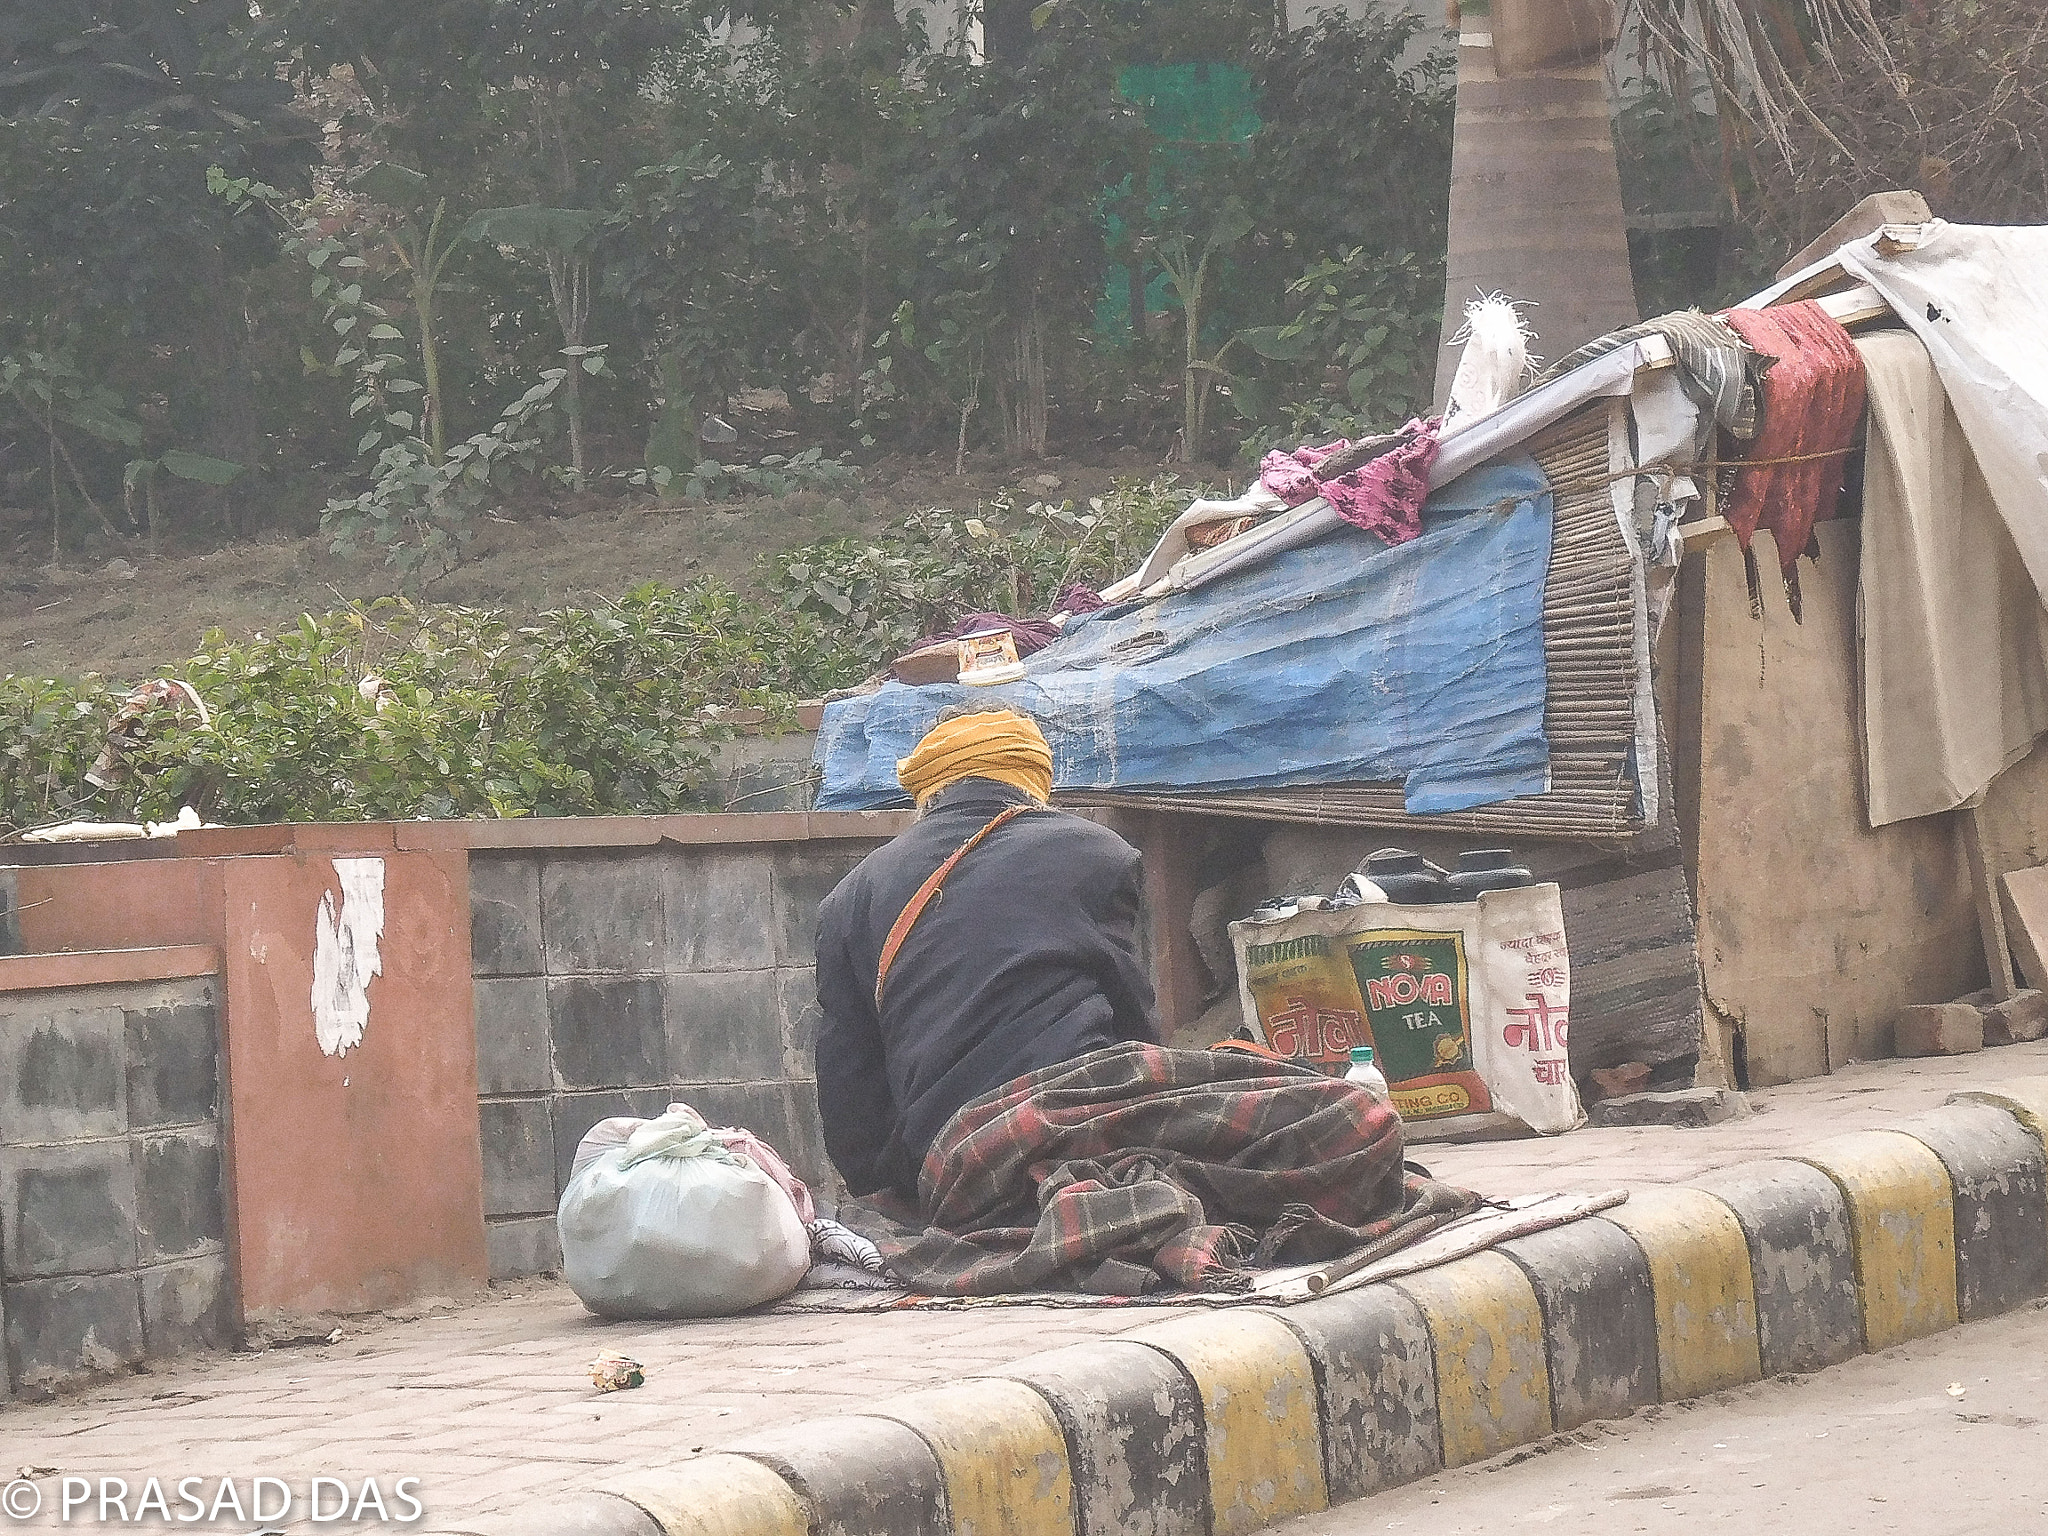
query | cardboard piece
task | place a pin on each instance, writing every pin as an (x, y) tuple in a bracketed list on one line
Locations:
[(1866, 218), (2026, 921)]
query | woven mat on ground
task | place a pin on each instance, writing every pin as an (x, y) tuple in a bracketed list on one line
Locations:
[(1136, 1169), (1278, 1287)]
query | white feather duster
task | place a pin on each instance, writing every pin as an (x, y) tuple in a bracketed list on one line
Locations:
[(1495, 364)]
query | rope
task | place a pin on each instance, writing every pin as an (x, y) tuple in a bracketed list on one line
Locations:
[(1699, 466), (1666, 473)]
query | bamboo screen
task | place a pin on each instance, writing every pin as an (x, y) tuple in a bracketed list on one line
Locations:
[(1589, 712)]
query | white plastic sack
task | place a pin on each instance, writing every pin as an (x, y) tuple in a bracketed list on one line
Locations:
[(671, 1224), (1467, 1005), (618, 1130)]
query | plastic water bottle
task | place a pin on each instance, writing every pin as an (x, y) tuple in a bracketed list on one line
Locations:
[(1366, 1075)]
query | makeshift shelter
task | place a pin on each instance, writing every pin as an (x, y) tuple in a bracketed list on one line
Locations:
[(1758, 685)]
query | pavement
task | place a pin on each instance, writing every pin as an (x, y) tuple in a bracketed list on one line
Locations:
[(488, 1406)]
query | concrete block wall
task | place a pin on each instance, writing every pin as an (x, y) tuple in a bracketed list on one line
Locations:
[(112, 1218), (612, 981)]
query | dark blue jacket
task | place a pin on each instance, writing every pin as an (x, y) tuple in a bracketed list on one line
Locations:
[(1027, 958)]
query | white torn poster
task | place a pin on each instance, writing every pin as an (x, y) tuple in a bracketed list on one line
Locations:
[(345, 955)]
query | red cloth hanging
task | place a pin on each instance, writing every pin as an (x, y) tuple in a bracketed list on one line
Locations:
[(1812, 398)]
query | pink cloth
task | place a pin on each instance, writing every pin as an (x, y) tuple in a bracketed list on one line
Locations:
[(765, 1158), (1077, 598), (1292, 476), (1383, 496)]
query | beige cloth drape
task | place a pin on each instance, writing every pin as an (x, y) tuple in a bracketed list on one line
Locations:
[(1954, 655)]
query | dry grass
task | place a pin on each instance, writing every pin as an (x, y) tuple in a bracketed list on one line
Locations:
[(59, 622)]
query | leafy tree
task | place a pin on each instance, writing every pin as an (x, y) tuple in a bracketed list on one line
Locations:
[(683, 251), (183, 66), (1009, 175), (112, 253)]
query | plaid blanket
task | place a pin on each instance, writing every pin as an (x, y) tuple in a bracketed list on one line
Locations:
[(1136, 1168)]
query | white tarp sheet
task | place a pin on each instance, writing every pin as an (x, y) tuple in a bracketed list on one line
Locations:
[(1977, 297), (1954, 636)]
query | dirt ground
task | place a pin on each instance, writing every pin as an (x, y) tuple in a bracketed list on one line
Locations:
[(125, 620)]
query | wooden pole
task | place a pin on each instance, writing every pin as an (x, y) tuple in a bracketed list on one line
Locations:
[(1990, 916)]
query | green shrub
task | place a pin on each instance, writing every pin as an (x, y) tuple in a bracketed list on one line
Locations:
[(50, 733), (397, 709), (880, 596)]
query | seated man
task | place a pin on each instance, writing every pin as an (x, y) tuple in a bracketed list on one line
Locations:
[(994, 938)]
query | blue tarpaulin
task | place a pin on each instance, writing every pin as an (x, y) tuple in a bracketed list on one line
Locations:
[(1340, 662)]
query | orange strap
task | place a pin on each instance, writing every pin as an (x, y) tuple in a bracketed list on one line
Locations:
[(907, 918), (1249, 1048)]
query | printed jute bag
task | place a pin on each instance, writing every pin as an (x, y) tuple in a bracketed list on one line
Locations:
[(1467, 1006)]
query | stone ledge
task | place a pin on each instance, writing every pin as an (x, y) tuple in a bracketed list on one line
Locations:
[(102, 967), (543, 832), (709, 828)]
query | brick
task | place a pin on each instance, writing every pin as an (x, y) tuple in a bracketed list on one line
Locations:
[(67, 1209), (724, 1026), (64, 1330), (1376, 1376), (1599, 1319), (858, 1476), (602, 912), (185, 1308), (721, 910), (518, 1148), (1683, 1108), (608, 1032), (178, 1202), (2000, 1178), (504, 916), (173, 1065), (1938, 1029), (1801, 1261), (1134, 1437), (60, 1075), (803, 878), (523, 1245), (575, 1113), (2020, 1018), (513, 1054), (796, 993)]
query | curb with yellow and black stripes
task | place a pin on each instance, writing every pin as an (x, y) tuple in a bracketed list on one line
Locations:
[(1230, 1420)]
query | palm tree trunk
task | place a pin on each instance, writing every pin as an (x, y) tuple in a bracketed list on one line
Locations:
[(1536, 208)]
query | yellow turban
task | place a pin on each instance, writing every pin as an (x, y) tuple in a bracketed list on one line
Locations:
[(998, 745)]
